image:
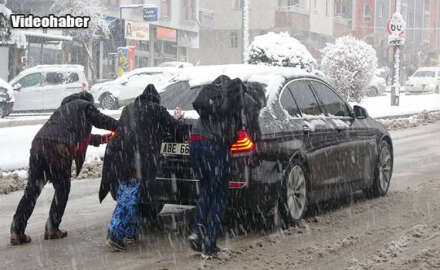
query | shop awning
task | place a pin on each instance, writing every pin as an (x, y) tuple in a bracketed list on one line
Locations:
[(40, 37)]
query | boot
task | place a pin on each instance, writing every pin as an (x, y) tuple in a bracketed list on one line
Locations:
[(51, 233), (19, 239)]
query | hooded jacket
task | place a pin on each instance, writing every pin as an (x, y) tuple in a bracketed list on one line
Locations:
[(134, 151), (71, 125)]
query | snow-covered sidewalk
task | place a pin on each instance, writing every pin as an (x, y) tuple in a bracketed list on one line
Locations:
[(380, 107)]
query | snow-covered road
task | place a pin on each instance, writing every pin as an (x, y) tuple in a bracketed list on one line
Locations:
[(400, 231)]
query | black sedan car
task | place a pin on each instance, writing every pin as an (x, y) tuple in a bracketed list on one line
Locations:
[(313, 145)]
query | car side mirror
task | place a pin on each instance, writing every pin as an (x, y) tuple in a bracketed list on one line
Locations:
[(360, 112), (16, 87)]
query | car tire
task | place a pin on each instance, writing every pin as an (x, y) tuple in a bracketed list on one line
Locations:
[(372, 92), (3, 111), (383, 171), (108, 102), (294, 197)]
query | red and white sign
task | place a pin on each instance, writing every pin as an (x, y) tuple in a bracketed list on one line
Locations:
[(396, 29)]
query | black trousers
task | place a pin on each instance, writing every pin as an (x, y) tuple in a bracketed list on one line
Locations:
[(44, 167)]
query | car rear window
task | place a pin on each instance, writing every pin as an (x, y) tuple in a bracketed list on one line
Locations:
[(179, 94)]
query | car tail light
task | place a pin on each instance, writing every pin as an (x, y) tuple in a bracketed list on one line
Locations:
[(237, 184), (243, 145)]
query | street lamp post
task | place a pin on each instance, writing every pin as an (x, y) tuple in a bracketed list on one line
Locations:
[(396, 30), (245, 28)]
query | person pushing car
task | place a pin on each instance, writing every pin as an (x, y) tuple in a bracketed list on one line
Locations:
[(62, 139), (131, 160)]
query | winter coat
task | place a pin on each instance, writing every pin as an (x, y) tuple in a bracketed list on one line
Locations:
[(68, 129), (134, 151)]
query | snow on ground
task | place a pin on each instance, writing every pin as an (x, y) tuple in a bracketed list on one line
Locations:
[(16, 142), (379, 107)]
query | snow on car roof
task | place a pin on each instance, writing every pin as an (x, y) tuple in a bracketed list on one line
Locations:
[(146, 70), (200, 75), (272, 77), (53, 67)]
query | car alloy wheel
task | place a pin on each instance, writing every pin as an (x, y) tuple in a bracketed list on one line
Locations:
[(294, 194), (108, 102), (383, 171), (385, 167)]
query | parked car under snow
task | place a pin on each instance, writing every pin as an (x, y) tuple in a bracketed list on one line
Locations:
[(377, 85), (424, 80), (6, 98), (43, 87), (312, 146), (114, 94)]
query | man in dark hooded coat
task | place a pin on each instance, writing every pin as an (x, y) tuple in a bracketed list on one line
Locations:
[(131, 160), (62, 139)]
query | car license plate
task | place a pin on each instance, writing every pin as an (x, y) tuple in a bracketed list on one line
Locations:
[(174, 149)]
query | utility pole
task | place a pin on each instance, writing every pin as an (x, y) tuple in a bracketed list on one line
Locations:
[(245, 28), (396, 30)]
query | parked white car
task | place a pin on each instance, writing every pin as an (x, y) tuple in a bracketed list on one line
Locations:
[(6, 98), (114, 94), (176, 64), (377, 85), (424, 80), (43, 87)]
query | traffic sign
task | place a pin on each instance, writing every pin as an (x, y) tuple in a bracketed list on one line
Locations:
[(396, 30), (151, 14)]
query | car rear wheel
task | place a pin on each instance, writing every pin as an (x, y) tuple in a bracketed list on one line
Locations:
[(294, 194), (109, 102), (3, 111), (383, 171), (372, 92)]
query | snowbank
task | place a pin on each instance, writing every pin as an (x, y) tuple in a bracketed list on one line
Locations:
[(279, 49), (380, 107), (16, 142)]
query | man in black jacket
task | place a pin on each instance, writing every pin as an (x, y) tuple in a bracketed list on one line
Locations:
[(63, 138), (131, 160)]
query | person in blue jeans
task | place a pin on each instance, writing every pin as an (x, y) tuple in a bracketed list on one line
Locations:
[(210, 163), (131, 160), (125, 219)]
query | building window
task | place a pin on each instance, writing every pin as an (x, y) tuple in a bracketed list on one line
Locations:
[(327, 8), (234, 40), (367, 12), (237, 4), (165, 9), (189, 8), (382, 11), (293, 3)]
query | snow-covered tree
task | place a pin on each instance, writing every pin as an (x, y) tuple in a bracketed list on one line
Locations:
[(279, 49), (97, 25), (349, 65)]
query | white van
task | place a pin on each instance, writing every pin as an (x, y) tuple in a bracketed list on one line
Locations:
[(43, 87), (424, 80)]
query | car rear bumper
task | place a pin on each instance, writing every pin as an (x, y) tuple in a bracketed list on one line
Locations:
[(187, 191)]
